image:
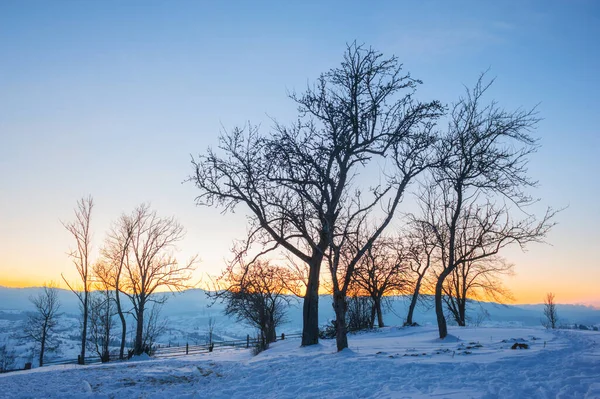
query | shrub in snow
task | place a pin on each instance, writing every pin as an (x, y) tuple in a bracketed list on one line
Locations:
[(517, 345), (582, 327), (360, 313), (328, 332), (360, 316)]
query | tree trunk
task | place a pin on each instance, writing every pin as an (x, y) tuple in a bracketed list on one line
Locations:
[(84, 330), (379, 312), (272, 336), (452, 307), (106, 339), (139, 331), (339, 305), (123, 325), (449, 265), (43, 346), (439, 310), (413, 303), (310, 312), (462, 305), (373, 313)]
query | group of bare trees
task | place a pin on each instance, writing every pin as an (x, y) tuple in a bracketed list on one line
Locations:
[(301, 184), (381, 271), (304, 188), (136, 261)]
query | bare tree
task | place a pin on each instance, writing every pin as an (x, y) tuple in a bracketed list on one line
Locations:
[(475, 280), (382, 271), (210, 329), (80, 229), (150, 264), (255, 293), (550, 311), (102, 310), (42, 322), (110, 272), (420, 252), (154, 326), (7, 358), (299, 182), (482, 315), (481, 183)]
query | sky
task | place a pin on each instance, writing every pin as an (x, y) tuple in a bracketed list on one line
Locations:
[(111, 98)]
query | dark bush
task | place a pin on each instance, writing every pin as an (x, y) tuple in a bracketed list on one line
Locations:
[(328, 332), (360, 313)]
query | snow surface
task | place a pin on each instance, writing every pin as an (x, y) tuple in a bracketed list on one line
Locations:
[(188, 314), (387, 363)]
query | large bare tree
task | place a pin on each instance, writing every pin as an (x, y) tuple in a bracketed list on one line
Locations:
[(42, 322), (151, 264), (80, 229), (481, 183), (299, 181)]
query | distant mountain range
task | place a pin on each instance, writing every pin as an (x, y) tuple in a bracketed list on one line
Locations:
[(194, 303)]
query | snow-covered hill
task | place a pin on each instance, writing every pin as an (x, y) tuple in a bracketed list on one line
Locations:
[(195, 305), (188, 313), (390, 363)]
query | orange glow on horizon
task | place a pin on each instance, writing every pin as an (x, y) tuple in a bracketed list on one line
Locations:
[(23, 283), (566, 296)]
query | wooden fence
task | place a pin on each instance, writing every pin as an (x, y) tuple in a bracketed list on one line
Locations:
[(175, 351)]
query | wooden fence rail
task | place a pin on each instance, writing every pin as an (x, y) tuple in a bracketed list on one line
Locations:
[(176, 351)]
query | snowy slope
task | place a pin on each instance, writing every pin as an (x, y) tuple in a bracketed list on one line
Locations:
[(390, 363), (188, 314)]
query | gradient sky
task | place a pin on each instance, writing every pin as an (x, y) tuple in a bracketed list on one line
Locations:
[(110, 98)]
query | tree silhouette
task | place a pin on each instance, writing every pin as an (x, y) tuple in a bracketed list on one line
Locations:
[(80, 229), (478, 190), (299, 182)]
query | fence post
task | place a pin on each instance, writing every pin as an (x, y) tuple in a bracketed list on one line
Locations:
[(247, 340), (187, 348)]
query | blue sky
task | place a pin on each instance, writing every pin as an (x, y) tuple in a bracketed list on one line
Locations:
[(110, 98)]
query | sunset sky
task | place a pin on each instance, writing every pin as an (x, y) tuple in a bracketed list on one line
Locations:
[(110, 98)]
